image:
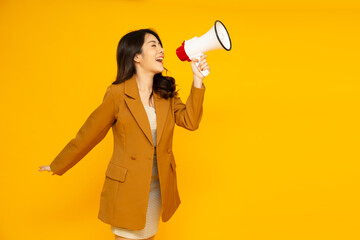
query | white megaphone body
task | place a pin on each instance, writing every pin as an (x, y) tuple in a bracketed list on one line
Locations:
[(216, 38)]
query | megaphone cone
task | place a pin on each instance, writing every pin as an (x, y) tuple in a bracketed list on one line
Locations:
[(216, 38)]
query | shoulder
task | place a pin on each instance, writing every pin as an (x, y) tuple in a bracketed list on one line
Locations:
[(116, 90)]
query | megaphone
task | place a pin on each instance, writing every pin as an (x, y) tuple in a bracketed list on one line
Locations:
[(216, 38)]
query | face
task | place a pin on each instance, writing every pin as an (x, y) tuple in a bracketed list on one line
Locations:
[(151, 59)]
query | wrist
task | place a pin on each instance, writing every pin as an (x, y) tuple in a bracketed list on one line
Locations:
[(198, 83)]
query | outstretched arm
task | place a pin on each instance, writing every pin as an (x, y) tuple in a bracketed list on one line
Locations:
[(90, 134)]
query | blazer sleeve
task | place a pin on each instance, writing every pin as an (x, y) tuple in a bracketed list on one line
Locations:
[(90, 134), (189, 115)]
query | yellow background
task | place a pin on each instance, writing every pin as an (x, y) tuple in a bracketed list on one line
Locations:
[(277, 152)]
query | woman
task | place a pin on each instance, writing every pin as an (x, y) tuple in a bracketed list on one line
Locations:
[(142, 107)]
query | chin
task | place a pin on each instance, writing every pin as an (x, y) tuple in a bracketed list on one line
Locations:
[(160, 71)]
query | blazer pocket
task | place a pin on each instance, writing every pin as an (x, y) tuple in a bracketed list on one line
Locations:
[(172, 163), (116, 172)]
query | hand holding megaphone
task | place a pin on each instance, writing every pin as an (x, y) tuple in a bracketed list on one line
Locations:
[(199, 66), (198, 57), (216, 38)]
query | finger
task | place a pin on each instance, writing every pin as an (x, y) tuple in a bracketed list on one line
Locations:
[(203, 62), (204, 65)]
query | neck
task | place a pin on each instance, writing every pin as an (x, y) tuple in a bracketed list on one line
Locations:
[(144, 81)]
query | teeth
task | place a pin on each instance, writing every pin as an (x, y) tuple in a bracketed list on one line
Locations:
[(160, 59)]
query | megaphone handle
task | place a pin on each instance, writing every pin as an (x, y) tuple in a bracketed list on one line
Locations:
[(205, 72)]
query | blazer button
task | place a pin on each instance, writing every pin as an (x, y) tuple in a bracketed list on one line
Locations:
[(169, 150), (133, 157)]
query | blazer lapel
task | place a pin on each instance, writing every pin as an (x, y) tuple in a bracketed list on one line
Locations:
[(137, 109), (162, 107)]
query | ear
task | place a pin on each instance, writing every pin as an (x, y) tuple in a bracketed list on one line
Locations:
[(137, 58)]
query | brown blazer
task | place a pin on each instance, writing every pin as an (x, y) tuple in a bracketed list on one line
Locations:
[(125, 194)]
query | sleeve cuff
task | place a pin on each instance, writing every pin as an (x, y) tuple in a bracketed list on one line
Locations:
[(202, 89)]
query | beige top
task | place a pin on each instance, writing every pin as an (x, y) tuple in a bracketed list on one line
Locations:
[(152, 120)]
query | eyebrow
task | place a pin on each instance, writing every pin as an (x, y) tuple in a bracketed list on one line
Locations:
[(152, 41)]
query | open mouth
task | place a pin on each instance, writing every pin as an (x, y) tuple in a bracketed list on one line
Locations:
[(160, 60)]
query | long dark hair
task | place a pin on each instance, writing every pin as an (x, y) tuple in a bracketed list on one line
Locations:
[(130, 45)]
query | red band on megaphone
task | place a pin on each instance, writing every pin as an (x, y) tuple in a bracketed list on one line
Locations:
[(180, 52)]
